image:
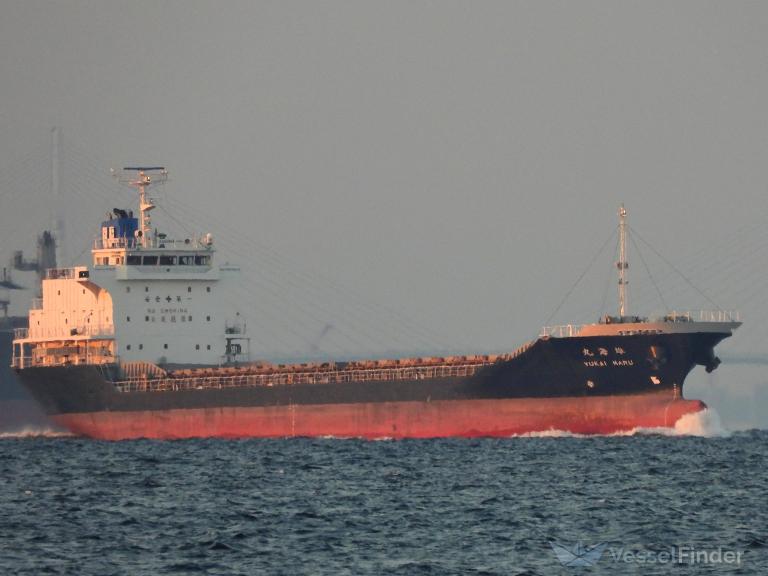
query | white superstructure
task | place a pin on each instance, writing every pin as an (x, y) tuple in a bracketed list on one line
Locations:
[(145, 298)]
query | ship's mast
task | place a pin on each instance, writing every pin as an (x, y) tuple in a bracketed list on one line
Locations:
[(57, 220), (147, 176), (622, 264)]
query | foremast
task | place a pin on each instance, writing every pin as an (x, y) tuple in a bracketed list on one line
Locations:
[(622, 264), (624, 324)]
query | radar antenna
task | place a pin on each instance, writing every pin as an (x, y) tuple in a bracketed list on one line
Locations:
[(141, 178)]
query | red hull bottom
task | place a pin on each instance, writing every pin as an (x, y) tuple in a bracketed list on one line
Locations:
[(466, 418)]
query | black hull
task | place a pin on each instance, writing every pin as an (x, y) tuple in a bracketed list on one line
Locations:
[(18, 411), (577, 367)]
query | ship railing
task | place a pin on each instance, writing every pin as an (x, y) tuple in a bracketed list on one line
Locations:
[(295, 378), (20, 333), (100, 243), (522, 349), (702, 316), (66, 273), (21, 362), (153, 243), (37, 304), (187, 243), (563, 331), (70, 332), (73, 357), (570, 330)]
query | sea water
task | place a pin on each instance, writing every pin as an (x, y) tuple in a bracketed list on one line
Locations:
[(686, 501)]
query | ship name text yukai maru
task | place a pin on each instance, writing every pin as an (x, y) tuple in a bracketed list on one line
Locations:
[(137, 344)]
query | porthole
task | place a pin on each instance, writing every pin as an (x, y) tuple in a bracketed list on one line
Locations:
[(165, 346), (128, 347)]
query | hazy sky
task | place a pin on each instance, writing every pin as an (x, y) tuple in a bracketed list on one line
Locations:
[(459, 163)]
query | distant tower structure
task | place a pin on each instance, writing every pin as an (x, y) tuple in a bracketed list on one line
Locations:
[(57, 206), (46, 255), (5, 301), (46, 258)]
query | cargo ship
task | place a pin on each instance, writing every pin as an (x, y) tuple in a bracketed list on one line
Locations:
[(138, 345), (19, 413)]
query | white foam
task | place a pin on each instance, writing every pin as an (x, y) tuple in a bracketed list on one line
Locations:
[(35, 432), (551, 433), (705, 424)]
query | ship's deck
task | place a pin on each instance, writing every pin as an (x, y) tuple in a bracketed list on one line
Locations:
[(145, 377)]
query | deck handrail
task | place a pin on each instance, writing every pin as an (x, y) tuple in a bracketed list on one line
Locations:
[(701, 316), (569, 330), (152, 244), (91, 331), (66, 273), (293, 378), (561, 331)]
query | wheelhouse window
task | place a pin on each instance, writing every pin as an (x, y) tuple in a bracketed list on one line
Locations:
[(134, 260), (150, 261), (167, 260), (202, 260), (186, 260)]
